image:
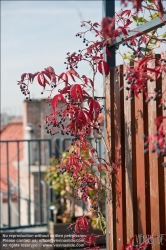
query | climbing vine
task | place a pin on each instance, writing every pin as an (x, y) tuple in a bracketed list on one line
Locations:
[(75, 110)]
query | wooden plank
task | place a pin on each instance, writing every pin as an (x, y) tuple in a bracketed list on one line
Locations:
[(128, 165), (109, 204), (153, 166), (140, 164), (119, 145), (163, 171)]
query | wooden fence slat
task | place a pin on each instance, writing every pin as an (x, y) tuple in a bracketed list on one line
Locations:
[(128, 165), (153, 166), (109, 205), (118, 117), (140, 164), (163, 79)]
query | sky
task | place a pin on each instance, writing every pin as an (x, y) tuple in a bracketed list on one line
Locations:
[(38, 34)]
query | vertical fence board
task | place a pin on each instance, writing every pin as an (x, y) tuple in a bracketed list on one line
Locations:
[(153, 166), (140, 164), (118, 116), (159, 86), (163, 79), (128, 165), (109, 206)]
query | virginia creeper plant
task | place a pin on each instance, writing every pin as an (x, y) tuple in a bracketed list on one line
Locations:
[(77, 113)]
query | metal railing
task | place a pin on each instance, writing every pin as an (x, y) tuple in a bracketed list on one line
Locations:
[(25, 197)]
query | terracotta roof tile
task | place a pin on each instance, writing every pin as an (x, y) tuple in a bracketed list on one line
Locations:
[(13, 131)]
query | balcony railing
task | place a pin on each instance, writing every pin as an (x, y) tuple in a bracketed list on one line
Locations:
[(25, 198)]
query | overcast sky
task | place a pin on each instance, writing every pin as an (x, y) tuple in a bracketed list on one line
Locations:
[(38, 34)]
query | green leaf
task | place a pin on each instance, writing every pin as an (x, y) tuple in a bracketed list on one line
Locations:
[(164, 35), (125, 56), (154, 15), (152, 41), (135, 18), (142, 20), (93, 223)]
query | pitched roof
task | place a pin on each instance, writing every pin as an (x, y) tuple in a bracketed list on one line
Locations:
[(12, 131)]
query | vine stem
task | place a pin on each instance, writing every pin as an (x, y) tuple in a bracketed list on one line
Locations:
[(105, 145), (148, 8)]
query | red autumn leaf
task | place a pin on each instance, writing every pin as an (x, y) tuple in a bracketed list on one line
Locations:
[(76, 92), (72, 73), (86, 80), (143, 61), (137, 4), (90, 240), (81, 224), (65, 90), (158, 120), (46, 73), (81, 116), (31, 77), (50, 70), (123, 30), (96, 24), (156, 70), (41, 80), (131, 240), (116, 33), (23, 76), (84, 145), (107, 27), (103, 65), (102, 166), (63, 77), (51, 73), (125, 12), (94, 109), (127, 23), (57, 97), (86, 113), (96, 58)]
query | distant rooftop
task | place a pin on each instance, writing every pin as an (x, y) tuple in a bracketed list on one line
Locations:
[(11, 131)]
